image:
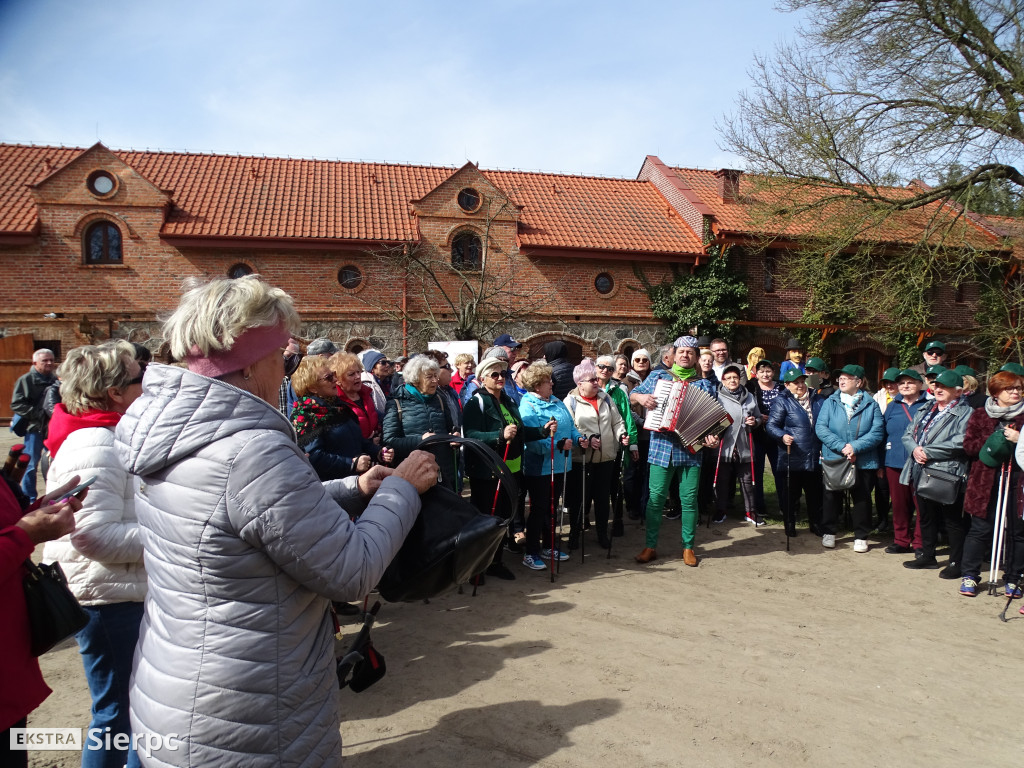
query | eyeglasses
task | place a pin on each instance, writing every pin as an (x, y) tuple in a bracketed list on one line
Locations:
[(138, 379), (605, 368), (494, 375), (593, 380), (446, 367), (1013, 389)]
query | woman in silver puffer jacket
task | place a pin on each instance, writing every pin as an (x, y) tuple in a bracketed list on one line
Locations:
[(245, 548)]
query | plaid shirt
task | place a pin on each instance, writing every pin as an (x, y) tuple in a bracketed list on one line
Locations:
[(666, 448)]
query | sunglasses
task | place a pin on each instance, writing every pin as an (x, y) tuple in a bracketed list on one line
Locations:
[(605, 368), (446, 367), (594, 380), (494, 375), (330, 378), (138, 379)]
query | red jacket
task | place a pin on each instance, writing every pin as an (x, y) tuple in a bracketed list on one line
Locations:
[(982, 479), (23, 688)]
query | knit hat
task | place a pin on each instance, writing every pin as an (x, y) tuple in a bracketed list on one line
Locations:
[(641, 353)]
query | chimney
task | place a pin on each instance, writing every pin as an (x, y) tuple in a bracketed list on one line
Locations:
[(728, 184)]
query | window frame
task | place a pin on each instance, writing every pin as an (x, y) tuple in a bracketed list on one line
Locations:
[(106, 259)]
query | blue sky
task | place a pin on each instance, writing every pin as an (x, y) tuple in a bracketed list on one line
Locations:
[(570, 87)]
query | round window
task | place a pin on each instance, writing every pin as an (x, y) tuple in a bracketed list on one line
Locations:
[(604, 283), (350, 277), (469, 199), (239, 270), (100, 183)]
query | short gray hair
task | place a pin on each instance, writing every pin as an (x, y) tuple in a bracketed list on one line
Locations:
[(212, 315), (606, 360), (89, 371), (40, 352), (417, 367)]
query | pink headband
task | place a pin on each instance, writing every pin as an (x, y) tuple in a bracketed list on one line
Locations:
[(254, 344)]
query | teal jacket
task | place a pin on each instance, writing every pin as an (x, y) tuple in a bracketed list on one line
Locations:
[(864, 431), (537, 412)]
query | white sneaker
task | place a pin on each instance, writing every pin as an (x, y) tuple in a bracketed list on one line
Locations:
[(860, 545), (828, 541)]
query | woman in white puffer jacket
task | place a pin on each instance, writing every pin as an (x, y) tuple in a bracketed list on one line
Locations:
[(102, 558)]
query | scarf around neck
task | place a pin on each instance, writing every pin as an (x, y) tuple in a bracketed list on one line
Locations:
[(683, 373), (1003, 413)]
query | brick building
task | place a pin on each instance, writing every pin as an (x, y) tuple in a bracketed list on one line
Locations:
[(96, 243)]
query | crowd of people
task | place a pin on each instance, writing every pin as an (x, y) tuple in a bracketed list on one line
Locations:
[(256, 485)]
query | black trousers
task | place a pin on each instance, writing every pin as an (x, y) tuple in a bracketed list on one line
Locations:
[(956, 527), (599, 485), (12, 758), (482, 491), (978, 543), (861, 494), (636, 481), (807, 482), (538, 522)]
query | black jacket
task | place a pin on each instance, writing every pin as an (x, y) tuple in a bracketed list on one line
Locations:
[(557, 355)]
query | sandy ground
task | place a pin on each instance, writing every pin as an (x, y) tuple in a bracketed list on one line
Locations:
[(759, 656)]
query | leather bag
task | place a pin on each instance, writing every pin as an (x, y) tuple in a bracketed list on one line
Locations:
[(19, 425), (839, 474), (938, 485), (54, 614), (451, 540)]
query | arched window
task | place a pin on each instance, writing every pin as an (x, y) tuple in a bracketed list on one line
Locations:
[(466, 251), (103, 244), (241, 269)]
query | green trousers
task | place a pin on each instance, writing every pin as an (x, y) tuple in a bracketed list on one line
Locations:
[(661, 481)]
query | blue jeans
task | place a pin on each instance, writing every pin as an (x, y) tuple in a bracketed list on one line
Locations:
[(33, 447), (107, 645)]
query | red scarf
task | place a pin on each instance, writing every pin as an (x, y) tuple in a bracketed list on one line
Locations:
[(364, 410), (63, 424)]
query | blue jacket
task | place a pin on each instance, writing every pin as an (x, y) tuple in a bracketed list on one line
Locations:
[(864, 431), (787, 417), (896, 423), (536, 412)]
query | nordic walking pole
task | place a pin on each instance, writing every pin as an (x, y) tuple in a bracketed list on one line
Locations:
[(552, 507), (714, 482), (788, 512), (566, 460), (619, 500), (750, 440), (1013, 536), (997, 529)]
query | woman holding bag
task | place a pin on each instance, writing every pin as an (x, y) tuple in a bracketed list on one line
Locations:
[(935, 441), (850, 429)]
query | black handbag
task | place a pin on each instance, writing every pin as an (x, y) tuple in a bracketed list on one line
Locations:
[(19, 425), (54, 614), (839, 474), (939, 486), (451, 540)]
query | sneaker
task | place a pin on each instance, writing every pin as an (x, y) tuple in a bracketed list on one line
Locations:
[(673, 515), (968, 586), (828, 541), (560, 556), (534, 563), (860, 545), (1013, 590), (898, 549), (756, 520), (719, 519), (951, 571)]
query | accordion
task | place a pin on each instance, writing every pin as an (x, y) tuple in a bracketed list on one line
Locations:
[(688, 411)]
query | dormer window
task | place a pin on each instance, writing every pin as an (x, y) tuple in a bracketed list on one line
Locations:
[(469, 200), (101, 183), (466, 251), (102, 244)]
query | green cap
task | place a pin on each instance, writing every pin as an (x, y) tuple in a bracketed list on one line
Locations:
[(949, 378), (764, 364), (1015, 368), (891, 374), (816, 364), (965, 370), (935, 370), (792, 375), (934, 345), (996, 450), (853, 370), (910, 373)]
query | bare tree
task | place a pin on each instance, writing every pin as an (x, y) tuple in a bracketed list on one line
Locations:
[(465, 294), (878, 92)]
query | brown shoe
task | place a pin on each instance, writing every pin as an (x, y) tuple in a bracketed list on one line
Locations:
[(690, 558), (646, 555)]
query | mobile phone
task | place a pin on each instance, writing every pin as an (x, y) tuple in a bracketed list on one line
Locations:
[(79, 488)]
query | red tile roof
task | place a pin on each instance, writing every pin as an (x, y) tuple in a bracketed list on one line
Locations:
[(903, 228), (258, 197)]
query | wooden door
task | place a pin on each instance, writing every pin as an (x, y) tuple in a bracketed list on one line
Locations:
[(15, 360)]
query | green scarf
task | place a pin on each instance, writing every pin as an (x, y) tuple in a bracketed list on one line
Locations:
[(415, 393), (683, 373)]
